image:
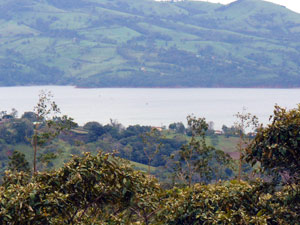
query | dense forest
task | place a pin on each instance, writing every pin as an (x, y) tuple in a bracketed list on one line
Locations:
[(56, 172), (145, 43)]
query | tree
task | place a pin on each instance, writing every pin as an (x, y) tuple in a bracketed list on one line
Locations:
[(95, 130), (196, 161), (18, 162), (31, 116), (152, 142), (2, 113), (222, 166), (48, 124), (277, 146), (195, 155), (12, 115), (245, 121), (16, 131), (177, 127), (23, 130)]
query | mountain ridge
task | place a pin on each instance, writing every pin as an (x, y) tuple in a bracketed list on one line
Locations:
[(124, 43)]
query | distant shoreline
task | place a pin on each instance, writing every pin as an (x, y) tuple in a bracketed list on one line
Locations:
[(186, 87), (154, 87)]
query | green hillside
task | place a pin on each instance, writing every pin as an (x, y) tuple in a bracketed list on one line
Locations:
[(129, 43)]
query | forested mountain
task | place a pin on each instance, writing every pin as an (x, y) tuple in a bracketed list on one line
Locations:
[(144, 43)]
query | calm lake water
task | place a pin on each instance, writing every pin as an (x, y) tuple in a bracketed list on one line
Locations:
[(155, 107)]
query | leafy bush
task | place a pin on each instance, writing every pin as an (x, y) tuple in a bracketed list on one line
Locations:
[(102, 189), (91, 188), (228, 203)]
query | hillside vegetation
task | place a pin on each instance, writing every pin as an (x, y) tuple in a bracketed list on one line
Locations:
[(128, 143), (129, 43)]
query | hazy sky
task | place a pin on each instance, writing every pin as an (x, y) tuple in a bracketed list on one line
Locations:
[(291, 4)]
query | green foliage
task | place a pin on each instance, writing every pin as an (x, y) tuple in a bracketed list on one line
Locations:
[(177, 127), (276, 147), (103, 189), (31, 116), (197, 157), (18, 163), (127, 141), (153, 144), (245, 122), (229, 203), (95, 130), (195, 154), (91, 189), (48, 125), (15, 130), (221, 165)]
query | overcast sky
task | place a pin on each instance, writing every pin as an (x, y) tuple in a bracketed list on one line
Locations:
[(291, 4)]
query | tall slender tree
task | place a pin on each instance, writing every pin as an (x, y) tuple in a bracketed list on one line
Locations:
[(153, 144), (245, 122), (48, 124)]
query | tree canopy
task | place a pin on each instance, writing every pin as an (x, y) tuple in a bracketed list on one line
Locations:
[(277, 146)]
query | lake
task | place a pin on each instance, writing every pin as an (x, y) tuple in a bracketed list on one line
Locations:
[(153, 106)]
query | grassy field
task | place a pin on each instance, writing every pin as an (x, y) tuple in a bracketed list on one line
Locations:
[(142, 167), (226, 144), (65, 154)]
